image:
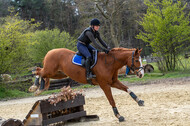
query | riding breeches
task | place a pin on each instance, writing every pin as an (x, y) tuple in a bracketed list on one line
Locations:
[(86, 50)]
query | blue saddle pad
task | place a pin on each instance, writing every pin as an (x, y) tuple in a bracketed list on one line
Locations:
[(77, 59)]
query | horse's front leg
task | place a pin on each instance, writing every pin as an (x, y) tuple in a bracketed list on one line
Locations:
[(107, 90), (117, 84)]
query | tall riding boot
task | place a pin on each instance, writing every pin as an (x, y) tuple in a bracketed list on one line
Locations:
[(89, 74), (36, 82), (42, 84)]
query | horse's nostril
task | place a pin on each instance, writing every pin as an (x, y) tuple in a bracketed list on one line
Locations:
[(140, 75)]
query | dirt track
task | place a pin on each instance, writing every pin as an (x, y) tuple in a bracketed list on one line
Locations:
[(167, 103)]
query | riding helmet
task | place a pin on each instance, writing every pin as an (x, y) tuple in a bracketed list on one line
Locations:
[(95, 22)]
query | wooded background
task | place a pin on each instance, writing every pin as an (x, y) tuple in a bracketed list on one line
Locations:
[(46, 24)]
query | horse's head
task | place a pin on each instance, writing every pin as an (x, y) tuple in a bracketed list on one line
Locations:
[(135, 63)]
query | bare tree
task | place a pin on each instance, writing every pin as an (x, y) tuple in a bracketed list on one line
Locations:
[(111, 11)]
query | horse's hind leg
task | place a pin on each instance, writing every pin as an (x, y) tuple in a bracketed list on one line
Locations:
[(44, 85), (41, 87), (45, 82), (117, 84), (34, 87), (107, 90)]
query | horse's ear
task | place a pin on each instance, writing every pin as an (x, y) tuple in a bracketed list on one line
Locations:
[(140, 50), (136, 52)]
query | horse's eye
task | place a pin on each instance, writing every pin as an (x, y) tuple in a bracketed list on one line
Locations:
[(136, 60)]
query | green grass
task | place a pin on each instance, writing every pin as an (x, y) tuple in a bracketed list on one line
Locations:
[(85, 86), (10, 94), (156, 75)]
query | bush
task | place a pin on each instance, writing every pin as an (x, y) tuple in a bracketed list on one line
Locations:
[(46, 40), (14, 37)]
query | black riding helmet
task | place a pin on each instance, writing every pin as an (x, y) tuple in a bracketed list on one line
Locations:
[(95, 22)]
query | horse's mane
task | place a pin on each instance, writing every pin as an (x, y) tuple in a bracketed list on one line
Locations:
[(123, 49)]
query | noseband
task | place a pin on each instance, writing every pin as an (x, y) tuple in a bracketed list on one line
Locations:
[(133, 67)]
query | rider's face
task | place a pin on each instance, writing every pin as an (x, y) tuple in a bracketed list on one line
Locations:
[(96, 28)]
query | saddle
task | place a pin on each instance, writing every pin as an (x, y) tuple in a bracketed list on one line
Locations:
[(79, 59)]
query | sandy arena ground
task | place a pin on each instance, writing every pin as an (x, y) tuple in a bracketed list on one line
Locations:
[(167, 103)]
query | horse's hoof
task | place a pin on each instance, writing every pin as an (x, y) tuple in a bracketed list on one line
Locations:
[(33, 88), (38, 92), (141, 103), (121, 119)]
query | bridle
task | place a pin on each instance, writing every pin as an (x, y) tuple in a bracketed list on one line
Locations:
[(133, 67)]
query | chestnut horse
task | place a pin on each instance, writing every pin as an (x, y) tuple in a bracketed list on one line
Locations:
[(58, 64)]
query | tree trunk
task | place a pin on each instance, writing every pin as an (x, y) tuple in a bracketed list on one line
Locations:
[(113, 35)]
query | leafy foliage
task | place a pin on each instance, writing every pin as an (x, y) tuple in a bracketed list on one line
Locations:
[(14, 37), (166, 29), (46, 40)]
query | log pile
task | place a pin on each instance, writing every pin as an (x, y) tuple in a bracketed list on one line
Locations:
[(67, 93)]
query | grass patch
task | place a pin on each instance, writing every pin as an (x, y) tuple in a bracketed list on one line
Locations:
[(155, 75), (11, 94), (85, 86), (182, 70)]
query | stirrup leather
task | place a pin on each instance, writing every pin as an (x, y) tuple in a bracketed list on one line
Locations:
[(90, 76)]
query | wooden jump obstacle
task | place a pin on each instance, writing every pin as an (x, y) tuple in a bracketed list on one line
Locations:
[(43, 113)]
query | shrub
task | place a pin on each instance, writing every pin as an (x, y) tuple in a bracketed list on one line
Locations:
[(46, 40)]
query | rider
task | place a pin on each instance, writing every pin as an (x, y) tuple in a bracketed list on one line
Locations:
[(83, 45)]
